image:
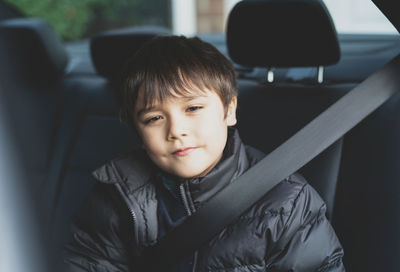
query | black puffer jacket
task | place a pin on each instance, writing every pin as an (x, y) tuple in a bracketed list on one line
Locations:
[(286, 230)]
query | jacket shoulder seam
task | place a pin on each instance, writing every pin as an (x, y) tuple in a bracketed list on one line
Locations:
[(272, 212), (238, 266), (294, 205), (85, 234), (333, 263)]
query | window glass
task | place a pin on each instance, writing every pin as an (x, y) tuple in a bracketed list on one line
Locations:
[(358, 16), (77, 19)]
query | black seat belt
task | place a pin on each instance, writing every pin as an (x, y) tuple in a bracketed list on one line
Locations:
[(306, 144)]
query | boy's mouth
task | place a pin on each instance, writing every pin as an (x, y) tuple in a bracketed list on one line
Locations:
[(183, 151)]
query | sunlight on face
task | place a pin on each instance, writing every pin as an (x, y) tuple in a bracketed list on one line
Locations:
[(185, 135)]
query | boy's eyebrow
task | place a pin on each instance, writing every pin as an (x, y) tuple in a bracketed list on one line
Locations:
[(186, 98), (144, 110)]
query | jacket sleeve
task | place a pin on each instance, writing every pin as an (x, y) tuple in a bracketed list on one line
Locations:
[(97, 242), (308, 242)]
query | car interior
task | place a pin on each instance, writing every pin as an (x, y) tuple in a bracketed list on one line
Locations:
[(291, 65)]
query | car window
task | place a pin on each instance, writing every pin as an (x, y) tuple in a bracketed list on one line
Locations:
[(76, 19), (358, 16)]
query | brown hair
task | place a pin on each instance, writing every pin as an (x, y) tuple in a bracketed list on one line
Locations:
[(174, 65)]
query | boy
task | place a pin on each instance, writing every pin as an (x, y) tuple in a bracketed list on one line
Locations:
[(180, 96)]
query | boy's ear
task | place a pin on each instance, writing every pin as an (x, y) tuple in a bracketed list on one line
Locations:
[(231, 113)]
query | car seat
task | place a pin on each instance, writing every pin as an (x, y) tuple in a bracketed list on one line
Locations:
[(286, 34)]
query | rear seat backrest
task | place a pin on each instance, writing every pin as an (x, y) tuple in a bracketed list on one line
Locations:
[(367, 204), (32, 65), (67, 124), (288, 33)]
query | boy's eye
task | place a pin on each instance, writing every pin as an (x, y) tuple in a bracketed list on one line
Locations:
[(152, 119), (193, 108)]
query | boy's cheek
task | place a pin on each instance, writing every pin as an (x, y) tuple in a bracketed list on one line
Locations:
[(152, 143), (143, 132)]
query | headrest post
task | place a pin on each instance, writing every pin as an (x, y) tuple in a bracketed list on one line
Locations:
[(270, 75), (320, 74)]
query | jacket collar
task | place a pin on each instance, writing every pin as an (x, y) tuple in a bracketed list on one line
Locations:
[(131, 170), (134, 169), (233, 163)]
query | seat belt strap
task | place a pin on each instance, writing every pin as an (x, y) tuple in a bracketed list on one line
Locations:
[(307, 143)]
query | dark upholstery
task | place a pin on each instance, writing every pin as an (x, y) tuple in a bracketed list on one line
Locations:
[(89, 135), (284, 33), (37, 52), (270, 113), (65, 125), (110, 50), (32, 63), (367, 204), (32, 66)]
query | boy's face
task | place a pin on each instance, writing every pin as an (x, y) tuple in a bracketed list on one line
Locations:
[(185, 135)]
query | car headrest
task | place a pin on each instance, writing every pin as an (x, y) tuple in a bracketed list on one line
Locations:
[(282, 33), (33, 51), (111, 49)]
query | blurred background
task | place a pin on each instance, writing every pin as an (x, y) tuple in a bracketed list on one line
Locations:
[(79, 19)]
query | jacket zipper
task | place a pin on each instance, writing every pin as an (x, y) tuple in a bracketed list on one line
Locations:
[(132, 212), (189, 213), (195, 261), (184, 199)]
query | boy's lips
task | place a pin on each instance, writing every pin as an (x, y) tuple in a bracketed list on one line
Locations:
[(183, 151)]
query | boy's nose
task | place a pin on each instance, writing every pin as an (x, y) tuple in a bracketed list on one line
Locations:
[(176, 130)]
